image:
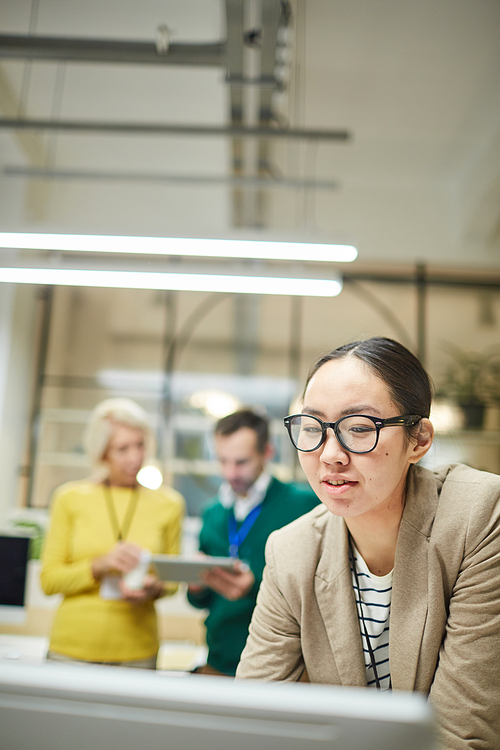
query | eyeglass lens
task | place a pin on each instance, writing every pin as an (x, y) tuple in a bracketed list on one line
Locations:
[(356, 433)]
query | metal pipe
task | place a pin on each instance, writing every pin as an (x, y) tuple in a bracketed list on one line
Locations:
[(421, 284), (36, 47), (246, 182), (485, 280), (35, 424), (153, 128)]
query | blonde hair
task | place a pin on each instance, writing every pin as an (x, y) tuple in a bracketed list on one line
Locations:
[(101, 423)]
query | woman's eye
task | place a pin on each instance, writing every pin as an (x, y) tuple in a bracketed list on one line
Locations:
[(361, 429)]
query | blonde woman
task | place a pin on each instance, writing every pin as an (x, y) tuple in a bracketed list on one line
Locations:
[(99, 528)]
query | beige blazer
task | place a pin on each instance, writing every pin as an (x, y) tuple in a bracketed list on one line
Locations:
[(445, 610)]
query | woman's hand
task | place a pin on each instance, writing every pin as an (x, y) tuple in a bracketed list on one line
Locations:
[(152, 589), (121, 559)]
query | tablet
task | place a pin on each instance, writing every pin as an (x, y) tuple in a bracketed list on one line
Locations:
[(187, 568)]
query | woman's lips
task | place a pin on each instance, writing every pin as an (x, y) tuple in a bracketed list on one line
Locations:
[(337, 486)]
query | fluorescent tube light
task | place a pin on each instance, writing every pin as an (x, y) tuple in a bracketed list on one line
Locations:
[(207, 248), (190, 282)]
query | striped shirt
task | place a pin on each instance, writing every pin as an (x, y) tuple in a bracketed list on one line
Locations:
[(373, 599)]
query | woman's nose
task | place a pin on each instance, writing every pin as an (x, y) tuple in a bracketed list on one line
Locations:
[(136, 455), (332, 451)]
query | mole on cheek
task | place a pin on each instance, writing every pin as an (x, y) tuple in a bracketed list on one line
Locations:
[(386, 454)]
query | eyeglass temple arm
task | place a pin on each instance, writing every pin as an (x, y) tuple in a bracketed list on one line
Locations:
[(408, 419)]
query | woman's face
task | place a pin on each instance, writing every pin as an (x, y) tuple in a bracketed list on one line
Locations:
[(125, 454), (351, 484)]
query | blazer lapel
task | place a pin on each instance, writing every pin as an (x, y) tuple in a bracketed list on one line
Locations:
[(336, 602), (410, 583)]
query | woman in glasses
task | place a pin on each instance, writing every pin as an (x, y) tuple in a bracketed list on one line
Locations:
[(393, 581)]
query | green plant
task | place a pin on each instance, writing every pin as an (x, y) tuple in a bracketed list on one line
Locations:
[(471, 378), (36, 532), (491, 378)]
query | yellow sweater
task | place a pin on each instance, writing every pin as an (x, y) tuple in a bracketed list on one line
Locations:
[(85, 625)]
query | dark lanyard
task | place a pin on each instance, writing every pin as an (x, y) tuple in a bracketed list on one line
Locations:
[(365, 629), (238, 535), (121, 532)]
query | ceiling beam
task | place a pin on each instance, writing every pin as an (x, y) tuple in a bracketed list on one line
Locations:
[(110, 51), (153, 128), (272, 18), (236, 181), (234, 63), (234, 60)]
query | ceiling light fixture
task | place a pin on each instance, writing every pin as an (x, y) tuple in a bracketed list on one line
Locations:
[(181, 246), (215, 403), (189, 282)]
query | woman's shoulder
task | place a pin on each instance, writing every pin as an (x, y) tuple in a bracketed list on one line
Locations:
[(456, 497), (167, 495), (464, 474), (475, 493), (453, 477), (76, 488), (459, 480)]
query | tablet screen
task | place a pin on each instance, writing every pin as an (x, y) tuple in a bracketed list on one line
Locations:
[(188, 569)]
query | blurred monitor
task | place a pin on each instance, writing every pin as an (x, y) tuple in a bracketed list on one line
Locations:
[(61, 706), (14, 553)]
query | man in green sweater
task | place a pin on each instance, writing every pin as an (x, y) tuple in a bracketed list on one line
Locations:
[(249, 506)]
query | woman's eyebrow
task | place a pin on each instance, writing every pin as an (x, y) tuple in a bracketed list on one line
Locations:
[(361, 409), (312, 412), (356, 409)]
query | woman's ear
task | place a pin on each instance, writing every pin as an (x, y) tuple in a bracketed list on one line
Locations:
[(422, 441)]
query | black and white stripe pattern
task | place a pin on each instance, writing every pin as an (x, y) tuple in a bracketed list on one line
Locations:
[(373, 599)]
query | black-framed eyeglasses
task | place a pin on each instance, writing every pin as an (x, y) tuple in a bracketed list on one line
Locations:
[(357, 433)]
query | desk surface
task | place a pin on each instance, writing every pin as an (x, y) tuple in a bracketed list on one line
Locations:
[(173, 655)]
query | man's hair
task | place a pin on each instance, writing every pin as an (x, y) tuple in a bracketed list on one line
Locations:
[(245, 418)]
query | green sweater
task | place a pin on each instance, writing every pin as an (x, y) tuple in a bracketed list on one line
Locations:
[(227, 622)]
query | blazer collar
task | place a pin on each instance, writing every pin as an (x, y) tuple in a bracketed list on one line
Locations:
[(336, 602), (410, 583)]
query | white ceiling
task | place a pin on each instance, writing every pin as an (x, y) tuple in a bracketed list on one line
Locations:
[(417, 83)]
